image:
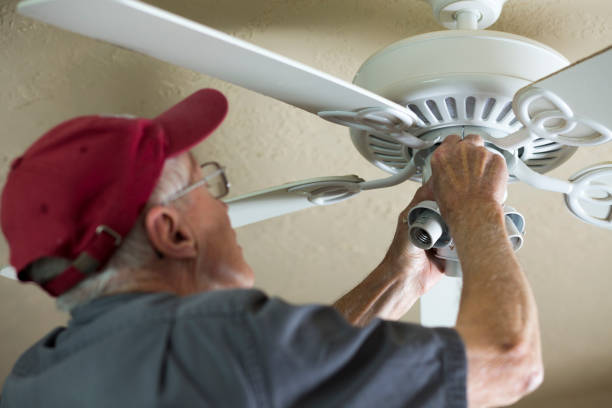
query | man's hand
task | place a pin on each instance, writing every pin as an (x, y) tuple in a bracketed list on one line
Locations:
[(458, 179), (405, 273), (404, 258), (497, 318), (465, 172)]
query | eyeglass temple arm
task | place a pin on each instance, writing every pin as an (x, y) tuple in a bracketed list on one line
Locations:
[(8, 272)]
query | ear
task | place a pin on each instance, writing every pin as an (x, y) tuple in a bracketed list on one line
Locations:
[(169, 234)]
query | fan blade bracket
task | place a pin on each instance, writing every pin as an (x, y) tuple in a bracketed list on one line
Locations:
[(522, 172), (329, 192), (381, 121), (544, 114), (571, 106), (591, 196), (291, 197), (403, 175), (588, 193), (513, 141)]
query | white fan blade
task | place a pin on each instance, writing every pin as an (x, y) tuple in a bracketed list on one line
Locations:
[(288, 198), (571, 106), (440, 306), (168, 37), (8, 272), (261, 206)]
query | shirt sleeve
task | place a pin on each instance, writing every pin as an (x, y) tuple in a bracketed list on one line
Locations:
[(310, 356)]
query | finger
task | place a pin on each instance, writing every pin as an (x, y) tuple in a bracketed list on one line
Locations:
[(425, 192), (429, 186), (474, 139), (451, 139)]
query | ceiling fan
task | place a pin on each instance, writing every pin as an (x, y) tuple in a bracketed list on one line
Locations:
[(522, 97)]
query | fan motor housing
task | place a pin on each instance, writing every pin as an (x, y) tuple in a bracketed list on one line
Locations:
[(458, 78)]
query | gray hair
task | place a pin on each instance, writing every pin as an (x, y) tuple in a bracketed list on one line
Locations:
[(134, 252)]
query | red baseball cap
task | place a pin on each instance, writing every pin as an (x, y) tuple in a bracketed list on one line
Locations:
[(79, 189)]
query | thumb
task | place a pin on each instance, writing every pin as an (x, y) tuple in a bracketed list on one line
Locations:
[(425, 192)]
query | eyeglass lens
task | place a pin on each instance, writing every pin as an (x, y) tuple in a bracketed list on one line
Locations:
[(217, 185)]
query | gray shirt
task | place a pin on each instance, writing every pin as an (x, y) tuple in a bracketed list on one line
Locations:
[(234, 348)]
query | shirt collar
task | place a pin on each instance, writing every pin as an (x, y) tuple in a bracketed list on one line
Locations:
[(89, 311)]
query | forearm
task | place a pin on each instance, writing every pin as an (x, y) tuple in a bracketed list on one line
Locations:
[(497, 316), (384, 293), (496, 300)]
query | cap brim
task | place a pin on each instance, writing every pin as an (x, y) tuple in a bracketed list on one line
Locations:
[(192, 120)]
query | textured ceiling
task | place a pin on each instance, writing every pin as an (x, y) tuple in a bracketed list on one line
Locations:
[(48, 75)]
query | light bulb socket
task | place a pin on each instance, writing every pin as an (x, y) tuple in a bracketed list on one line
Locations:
[(426, 229)]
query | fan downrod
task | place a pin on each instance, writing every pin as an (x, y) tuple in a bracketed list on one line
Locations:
[(466, 14)]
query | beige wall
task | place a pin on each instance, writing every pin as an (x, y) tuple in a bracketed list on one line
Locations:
[(48, 75)]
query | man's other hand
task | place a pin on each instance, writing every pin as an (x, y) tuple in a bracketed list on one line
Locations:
[(405, 273), (464, 172), (405, 258)]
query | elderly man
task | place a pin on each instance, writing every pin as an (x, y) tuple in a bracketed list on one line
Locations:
[(114, 217)]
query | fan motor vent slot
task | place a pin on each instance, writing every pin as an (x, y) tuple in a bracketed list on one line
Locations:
[(547, 152), (543, 155), (538, 142), (433, 107), (385, 150), (486, 112), (418, 112), (541, 159), (394, 163), (451, 106), (505, 111), (388, 153), (390, 156), (470, 104), (375, 140)]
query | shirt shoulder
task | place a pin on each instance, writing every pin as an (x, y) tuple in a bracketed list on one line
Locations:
[(226, 302), (311, 356)]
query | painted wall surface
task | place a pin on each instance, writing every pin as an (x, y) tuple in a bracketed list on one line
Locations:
[(49, 75)]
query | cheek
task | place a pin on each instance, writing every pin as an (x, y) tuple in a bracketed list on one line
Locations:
[(213, 218)]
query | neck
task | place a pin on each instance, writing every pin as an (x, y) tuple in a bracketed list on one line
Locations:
[(161, 276)]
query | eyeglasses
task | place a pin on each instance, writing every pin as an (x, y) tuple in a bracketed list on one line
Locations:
[(213, 179)]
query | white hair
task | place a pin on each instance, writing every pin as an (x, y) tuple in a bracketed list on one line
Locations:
[(134, 252)]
